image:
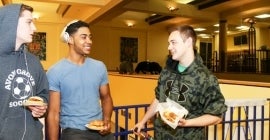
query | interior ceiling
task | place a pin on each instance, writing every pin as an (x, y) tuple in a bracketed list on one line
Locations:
[(116, 13)]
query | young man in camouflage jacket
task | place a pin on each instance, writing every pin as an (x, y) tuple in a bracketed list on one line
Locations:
[(188, 82)]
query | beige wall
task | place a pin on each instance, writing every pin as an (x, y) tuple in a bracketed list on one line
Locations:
[(54, 48), (232, 47), (130, 90), (106, 44), (262, 38), (157, 46)]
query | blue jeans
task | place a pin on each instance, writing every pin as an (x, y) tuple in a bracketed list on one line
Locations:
[(77, 134)]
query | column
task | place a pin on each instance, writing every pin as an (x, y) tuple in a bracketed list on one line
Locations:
[(222, 45)]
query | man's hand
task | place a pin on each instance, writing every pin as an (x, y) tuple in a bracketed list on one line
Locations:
[(137, 129), (182, 122), (107, 128), (38, 111)]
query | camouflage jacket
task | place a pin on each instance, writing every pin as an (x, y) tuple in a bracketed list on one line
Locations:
[(197, 89)]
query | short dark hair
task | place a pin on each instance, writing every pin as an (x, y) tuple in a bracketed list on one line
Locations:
[(186, 31), (72, 28), (26, 7)]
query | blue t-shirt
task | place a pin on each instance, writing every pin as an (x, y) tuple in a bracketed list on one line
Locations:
[(79, 89)]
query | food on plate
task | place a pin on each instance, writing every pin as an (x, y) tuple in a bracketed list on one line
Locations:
[(171, 112), (170, 116), (96, 125), (34, 100)]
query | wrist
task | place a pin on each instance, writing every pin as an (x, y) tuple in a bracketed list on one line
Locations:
[(107, 119)]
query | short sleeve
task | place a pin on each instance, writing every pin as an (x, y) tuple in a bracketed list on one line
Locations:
[(54, 83), (104, 78)]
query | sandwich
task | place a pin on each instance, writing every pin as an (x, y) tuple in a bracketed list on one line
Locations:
[(96, 125), (34, 100)]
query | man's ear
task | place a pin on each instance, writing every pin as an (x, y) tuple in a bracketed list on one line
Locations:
[(189, 42), (70, 40)]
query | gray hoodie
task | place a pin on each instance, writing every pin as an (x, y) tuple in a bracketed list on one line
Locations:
[(21, 76)]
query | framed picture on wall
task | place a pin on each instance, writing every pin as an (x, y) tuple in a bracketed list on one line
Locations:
[(38, 45), (129, 49), (240, 40)]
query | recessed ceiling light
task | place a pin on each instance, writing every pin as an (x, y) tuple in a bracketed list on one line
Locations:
[(199, 29), (130, 24), (263, 16), (204, 35), (184, 1), (172, 8), (36, 15), (217, 31), (242, 27)]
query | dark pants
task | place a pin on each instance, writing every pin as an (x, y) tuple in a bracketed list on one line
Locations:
[(76, 134)]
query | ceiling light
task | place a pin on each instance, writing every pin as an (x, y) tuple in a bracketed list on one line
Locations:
[(129, 24), (217, 31), (216, 25), (183, 1), (35, 15), (199, 29), (172, 8), (263, 16), (204, 35), (242, 27)]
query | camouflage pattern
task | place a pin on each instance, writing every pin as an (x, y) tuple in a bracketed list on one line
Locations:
[(196, 89)]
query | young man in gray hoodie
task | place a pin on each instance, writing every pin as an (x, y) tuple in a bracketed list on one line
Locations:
[(21, 76)]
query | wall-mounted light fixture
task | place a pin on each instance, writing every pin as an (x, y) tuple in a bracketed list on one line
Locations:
[(249, 20)]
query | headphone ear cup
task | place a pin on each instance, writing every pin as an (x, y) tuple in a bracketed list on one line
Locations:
[(66, 37)]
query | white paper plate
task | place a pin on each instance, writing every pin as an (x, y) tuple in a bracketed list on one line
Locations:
[(94, 127)]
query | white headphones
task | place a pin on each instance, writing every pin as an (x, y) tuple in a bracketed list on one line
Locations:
[(64, 36)]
